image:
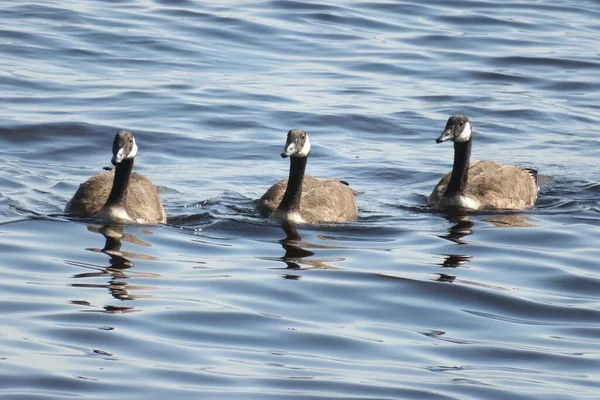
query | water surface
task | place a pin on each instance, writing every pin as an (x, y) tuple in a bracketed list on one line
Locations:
[(404, 303)]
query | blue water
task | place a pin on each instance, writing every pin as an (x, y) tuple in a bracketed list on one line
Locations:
[(404, 303)]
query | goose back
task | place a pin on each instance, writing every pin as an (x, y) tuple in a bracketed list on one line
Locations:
[(142, 204), (322, 201), (493, 186)]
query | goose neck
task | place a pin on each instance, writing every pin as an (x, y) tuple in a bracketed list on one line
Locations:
[(293, 192), (118, 193), (460, 169)]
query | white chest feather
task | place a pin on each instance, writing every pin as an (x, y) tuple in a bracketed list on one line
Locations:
[(288, 216), (460, 202), (113, 214)]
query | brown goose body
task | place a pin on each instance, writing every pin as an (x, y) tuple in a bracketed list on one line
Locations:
[(142, 204), (322, 201), (305, 199), (119, 195), (482, 184), (491, 186)]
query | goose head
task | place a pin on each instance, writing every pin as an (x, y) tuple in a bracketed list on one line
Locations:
[(297, 144), (124, 147), (458, 129)]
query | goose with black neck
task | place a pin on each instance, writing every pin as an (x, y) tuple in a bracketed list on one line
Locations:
[(119, 195), (482, 184), (302, 198)]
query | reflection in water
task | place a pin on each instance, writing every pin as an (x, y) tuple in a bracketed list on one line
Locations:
[(509, 220), (119, 266), (297, 254), (455, 260), (462, 228), (292, 244), (446, 278)]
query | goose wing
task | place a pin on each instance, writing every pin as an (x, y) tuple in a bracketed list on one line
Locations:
[(143, 201), (91, 195), (328, 201), (495, 186), (499, 186), (142, 204), (269, 201), (322, 201)]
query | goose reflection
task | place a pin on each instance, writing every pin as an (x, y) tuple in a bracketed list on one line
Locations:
[(292, 244), (509, 220), (452, 261), (119, 265), (455, 260), (463, 227), (297, 256)]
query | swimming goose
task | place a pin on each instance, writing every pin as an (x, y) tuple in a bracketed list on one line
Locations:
[(119, 195), (306, 199), (482, 184)]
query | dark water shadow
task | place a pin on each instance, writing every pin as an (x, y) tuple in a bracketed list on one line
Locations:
[(119, 267), (463, 226), (297, 255)]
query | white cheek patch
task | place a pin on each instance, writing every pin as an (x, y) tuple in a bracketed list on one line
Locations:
[(305, 149), (133, 151), (465, 135)]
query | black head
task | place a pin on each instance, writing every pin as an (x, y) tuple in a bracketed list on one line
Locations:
[(458, 129), (297, 144), (124, 147)]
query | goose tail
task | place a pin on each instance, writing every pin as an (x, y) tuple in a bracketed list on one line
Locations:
[(534, 175)]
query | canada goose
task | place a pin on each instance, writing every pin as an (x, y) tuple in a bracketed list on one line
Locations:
[(482, 184), (306, 199), (119, 195)]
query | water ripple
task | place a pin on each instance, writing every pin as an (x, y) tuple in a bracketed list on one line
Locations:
[(406, 302)]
